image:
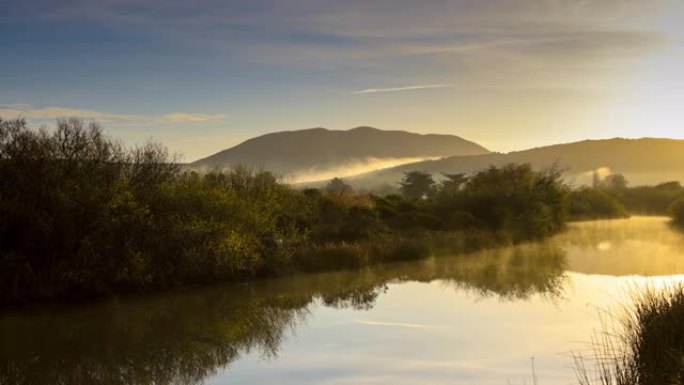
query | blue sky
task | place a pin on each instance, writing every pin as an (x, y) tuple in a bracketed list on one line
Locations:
[(204, 75)]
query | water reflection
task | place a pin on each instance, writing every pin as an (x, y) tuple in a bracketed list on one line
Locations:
[(183, 338), (645, 246), (441, 318)]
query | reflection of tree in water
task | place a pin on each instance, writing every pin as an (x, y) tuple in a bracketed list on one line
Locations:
[(183, 338), (618, 232), (513, 273), (637, 246), (171, 340)]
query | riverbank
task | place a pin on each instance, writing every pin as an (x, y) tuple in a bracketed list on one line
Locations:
[(93, 217)]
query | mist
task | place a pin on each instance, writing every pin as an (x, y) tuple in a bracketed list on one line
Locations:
[(350, 169)]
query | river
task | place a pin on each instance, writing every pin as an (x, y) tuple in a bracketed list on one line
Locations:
[(482, 318)]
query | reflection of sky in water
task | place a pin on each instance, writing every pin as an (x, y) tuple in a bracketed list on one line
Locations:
[(433, 333), (430, 334)]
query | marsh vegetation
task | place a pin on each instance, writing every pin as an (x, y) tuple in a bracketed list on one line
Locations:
[(643, 344)]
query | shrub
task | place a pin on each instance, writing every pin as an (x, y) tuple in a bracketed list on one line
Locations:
[(676, 211), (593, 203)]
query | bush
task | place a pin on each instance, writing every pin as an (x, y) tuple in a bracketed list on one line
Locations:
[(93, 217), (593, 203), (652, 199), (676, 211), (516, 199)]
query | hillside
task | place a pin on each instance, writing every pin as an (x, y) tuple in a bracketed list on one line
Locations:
[(642, 161), (319, 153)]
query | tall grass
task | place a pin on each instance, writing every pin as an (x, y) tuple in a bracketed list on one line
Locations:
[(642, 346)]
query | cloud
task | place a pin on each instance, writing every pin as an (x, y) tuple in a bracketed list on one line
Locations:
[(16, 106), (184, 117), (454, 40), (29, 112), (399, 89)]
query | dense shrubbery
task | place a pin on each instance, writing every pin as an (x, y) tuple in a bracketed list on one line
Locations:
[(516, 199), (593, 203), (612, 198), (651, 199), (676, 210), (82, 215)]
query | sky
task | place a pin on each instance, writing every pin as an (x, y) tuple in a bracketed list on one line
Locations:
[(201, 76)]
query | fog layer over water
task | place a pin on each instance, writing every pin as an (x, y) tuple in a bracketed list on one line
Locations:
[(465, 319)]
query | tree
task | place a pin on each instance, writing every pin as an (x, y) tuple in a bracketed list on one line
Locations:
[(417, 185), (615, 181), (338, 188), (452, 183), (517, 199)]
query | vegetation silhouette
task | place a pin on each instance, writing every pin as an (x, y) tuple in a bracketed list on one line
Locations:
[(611, 197), (643, 345), (417, 185)]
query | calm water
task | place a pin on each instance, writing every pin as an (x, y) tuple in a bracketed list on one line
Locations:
[(475, 319)]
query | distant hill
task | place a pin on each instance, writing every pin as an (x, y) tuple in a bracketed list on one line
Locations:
[(642, 161), (319, 153)]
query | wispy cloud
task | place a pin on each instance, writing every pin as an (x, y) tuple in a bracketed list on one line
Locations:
[(27, 111), (184, 117), (15, 106), (400, 89)]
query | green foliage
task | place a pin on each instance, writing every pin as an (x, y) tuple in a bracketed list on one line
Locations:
[(452, 183), (615, 182), (646, 200), (417, 185), (338, 188), (516, 199), (652, 199), (676, 210), (93, 217), (594, 203)]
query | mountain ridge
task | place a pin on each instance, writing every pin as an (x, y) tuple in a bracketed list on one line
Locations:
[(577, 159), (319, 149)]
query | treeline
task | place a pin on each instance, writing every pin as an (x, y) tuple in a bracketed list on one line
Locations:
[(612, 197), (82, 215)]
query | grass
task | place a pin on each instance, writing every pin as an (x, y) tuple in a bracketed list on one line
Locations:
[(391, 247), (642, 346)]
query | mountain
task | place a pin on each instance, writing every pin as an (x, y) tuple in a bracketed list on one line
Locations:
[(319, 153), (642, 161)]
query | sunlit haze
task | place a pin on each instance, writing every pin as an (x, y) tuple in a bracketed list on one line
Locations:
[(205, 75)]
